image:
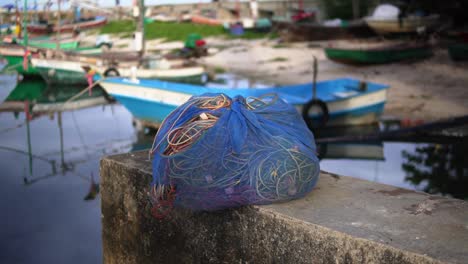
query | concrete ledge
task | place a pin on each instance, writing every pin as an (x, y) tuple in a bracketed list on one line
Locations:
[(343, 220)]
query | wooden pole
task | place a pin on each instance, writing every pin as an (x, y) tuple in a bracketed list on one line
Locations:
[(58, 24), (25, 30), (356, 9), (141, 26)]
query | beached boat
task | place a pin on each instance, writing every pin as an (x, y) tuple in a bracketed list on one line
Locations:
[(458, 51), (404, 25), (348, 101), (198, 19), (72, 72), (67, 27), (316, 32), (377, 53)]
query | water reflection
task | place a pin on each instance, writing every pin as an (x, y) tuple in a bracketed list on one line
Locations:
[(35, 99), (50, 147), (443, 169), (430, 167)]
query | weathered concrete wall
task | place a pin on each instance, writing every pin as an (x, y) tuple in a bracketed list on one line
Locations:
[(343, 220)]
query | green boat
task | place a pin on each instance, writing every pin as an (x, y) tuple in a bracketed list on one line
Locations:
[(14, 55), (14, 58), (458, 52), (56, 71), (44, 98), (378, 54)]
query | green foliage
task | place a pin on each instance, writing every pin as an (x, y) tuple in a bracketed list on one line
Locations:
[(172, 31), (179, 31), (278, 59), (438, 169), (121, 26), (219, 70)]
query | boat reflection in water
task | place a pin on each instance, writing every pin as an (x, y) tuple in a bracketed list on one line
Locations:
[(35, 99), (442, 168)]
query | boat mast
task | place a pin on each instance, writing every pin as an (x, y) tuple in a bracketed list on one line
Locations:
[(25, 30), (141, 28), (58, 24)]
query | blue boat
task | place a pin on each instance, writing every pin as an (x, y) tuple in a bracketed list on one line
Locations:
[(348, 101)]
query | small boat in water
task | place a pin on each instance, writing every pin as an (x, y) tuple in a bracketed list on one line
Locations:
[(377, 52), (45, 99), (67, 27), (15, 55), (46, 42), (316, 32), (348, 101), (67, 71)]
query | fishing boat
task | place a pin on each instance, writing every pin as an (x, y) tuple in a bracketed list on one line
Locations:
[(42, 98), (198, 19), (316, 31), (458, 51), (56, 71), (46, 42), (67, 27), (348, 101), (15, 56), (407, 24), (377, 52)]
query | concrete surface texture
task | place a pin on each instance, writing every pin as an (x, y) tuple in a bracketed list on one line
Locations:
[(343, 220)]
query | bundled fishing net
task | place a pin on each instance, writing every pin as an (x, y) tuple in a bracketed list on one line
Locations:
[(214, 152)]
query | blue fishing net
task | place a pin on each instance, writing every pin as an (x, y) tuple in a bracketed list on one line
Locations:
[(214, 152)]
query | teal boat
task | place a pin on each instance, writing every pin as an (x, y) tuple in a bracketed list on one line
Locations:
[(378, 54), (458, 51)]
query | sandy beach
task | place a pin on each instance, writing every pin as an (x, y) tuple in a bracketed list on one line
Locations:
[(430, 89)]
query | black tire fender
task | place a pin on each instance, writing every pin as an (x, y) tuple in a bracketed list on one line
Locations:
[(111, 72), (324, 109)]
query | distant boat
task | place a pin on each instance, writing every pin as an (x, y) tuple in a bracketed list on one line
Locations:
[(198, 19), (315, 31), (72, 72), (152, 100), (404, 25), (67, 27), (458, 51), (377, 53)]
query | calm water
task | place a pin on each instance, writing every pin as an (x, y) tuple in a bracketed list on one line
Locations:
[(49, 190)]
